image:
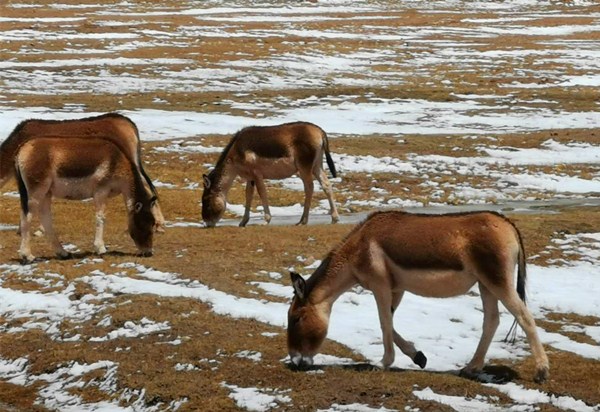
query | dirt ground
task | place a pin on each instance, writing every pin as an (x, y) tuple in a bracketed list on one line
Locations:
[(228, 258)]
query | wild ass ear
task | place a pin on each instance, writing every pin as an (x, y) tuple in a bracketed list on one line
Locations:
[(137, 207), (299, 285), (206, 182)]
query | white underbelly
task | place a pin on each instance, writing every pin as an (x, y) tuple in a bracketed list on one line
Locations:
[(280, 168), (434, 282), (74, 188)]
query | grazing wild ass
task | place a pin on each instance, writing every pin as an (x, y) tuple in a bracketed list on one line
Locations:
[(269, 152), (119, 129), (428, 255), (77, 169)]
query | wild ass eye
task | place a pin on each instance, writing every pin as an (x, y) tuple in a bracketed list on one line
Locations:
[(138, 206)]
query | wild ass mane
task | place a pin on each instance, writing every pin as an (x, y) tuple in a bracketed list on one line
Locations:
[(215, 172)]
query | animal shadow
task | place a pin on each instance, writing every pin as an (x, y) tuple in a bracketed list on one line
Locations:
[(498, 374), (77, 256)]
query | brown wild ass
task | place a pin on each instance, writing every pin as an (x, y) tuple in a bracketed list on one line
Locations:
[(269, 152), (77, 169), (429, 255), (115, 127)]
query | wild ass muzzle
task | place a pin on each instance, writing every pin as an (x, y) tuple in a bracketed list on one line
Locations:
[(119, 129), (429, 255), (78, 169), (269, 152)]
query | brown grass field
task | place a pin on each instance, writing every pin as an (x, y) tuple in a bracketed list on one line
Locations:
[(228, 258)]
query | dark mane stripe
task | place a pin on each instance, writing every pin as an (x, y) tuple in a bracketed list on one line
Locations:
[(318, 274), (213, 173)]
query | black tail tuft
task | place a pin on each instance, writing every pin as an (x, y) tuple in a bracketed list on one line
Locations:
[(22, 191), (330, 164), (511, 336), (328, 155)]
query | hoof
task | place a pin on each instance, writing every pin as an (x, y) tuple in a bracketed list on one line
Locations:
[(420, 359), (335, 219), (64, 255), (27, 260), (469, 374), (541, 375), (385, 366)]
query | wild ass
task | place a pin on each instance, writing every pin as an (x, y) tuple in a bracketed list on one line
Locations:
[(269, 152), (115, 127), (428, 255), (77, 169)]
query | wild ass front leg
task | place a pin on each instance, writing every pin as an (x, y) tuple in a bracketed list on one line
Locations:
[(384, 300), (407, 347), (491, 319), (309, 188), (326, 185), (46, 220), (249, 196), (100, 203), (262, 192)]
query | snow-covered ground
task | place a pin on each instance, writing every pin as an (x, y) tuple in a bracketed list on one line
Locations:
[(453, 324)]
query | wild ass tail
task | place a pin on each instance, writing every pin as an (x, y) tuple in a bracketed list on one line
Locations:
[(511, 336), (8, 148), (5, 172), (521, 271), (328, 155), (22, 191)]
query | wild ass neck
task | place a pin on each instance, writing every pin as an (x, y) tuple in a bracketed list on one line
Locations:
[(222, 178), (329, 281)]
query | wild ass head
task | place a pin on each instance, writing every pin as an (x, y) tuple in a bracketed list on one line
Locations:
[(214, 201), (307, 325), (142, 223)]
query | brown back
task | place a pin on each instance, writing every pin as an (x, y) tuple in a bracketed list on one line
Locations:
[(120, 130)]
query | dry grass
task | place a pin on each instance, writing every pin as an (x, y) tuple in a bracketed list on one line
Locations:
[(227, 259)]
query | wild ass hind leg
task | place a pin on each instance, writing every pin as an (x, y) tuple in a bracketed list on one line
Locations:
[(511, 300), (326, 185), (249, 196), (491, 320), (262, 193), (407, 347), (46, 220), (100, 204), (26, 219)]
